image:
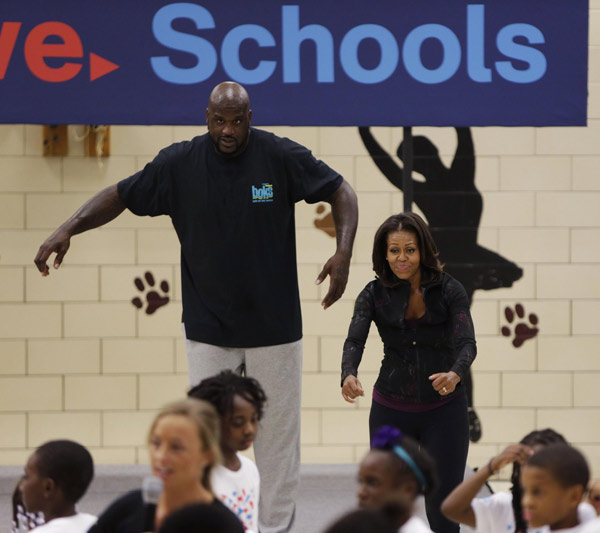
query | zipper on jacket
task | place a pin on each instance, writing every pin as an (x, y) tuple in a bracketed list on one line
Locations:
[(419, 395), (417, 354)]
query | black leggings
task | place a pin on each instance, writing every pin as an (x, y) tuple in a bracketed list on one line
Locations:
[(444, 433)]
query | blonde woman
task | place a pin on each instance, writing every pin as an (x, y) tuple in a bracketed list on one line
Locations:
[(183, 443)]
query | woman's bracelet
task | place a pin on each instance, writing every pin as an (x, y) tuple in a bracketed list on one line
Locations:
[(489, 466)]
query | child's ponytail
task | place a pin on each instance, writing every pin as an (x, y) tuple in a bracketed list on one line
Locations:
[(520, 524)]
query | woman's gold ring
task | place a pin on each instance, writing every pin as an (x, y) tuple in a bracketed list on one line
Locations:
[(444, 390)]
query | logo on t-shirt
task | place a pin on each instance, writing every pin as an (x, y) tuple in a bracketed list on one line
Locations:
[(242, 504), (262, 194)]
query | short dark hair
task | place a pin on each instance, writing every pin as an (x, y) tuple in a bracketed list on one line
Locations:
[(387, 438), (430, 264), (385, 520), (69, 464), (566, 464), (220, 390)]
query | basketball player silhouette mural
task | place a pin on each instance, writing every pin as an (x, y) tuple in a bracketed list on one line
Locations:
[(452, 205)]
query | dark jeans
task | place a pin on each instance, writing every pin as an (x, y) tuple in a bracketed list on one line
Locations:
[(444, 433)]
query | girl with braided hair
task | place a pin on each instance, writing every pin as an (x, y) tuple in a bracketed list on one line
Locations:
[(396, 470), (502, 512), (240, 401)]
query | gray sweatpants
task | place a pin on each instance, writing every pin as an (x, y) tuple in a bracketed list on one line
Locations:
[(277, 447)]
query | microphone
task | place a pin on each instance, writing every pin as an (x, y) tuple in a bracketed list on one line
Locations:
[(152, 488)]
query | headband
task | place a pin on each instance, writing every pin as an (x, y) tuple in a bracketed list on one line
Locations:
[(403, 454)]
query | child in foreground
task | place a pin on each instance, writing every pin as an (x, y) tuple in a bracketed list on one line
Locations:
[(502, 512), (200, 517), (240, 401), (385, 520), (396, 470), (56, 476), (554, 481)]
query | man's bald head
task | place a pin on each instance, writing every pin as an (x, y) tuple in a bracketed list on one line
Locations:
[(229, 94), (228, 117)]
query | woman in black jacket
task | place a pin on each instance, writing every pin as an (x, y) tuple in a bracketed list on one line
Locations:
[(423, 318)]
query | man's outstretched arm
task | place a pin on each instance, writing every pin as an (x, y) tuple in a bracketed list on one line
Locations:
[(344, 208), (97, 211)]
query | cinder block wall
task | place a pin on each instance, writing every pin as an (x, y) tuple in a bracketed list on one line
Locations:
[(78, 360)]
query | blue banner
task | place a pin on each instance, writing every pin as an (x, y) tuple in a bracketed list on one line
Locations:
[(315, 62)]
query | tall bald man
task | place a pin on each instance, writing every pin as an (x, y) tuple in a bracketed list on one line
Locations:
[(230, 195)]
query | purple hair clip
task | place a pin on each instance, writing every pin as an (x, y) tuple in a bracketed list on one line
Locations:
[(386, 437)]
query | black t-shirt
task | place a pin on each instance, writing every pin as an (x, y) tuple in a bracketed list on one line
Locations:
[(127, 514), (235, 221)]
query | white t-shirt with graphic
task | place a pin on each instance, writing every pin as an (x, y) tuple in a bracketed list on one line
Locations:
[(593, 526), (78, 523), (239, 491), (414, 525), (581, 528), (494, 514)]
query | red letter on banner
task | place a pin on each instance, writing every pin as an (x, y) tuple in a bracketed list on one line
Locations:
[(8, 38), (36, 51)]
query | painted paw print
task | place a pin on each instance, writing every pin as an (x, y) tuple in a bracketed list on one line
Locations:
[(325, 223), (153, 299), (523, 330)]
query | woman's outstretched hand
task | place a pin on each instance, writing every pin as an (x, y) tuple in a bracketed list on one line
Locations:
[(444, 382), (351, 389)]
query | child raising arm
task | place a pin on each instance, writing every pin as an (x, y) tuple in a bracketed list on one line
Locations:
[(503, 512), (458, 506)]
